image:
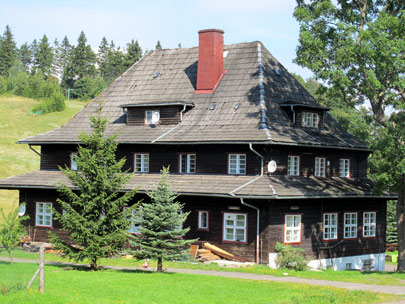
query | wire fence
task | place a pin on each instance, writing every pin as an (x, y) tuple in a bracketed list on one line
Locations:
[(18, 273)]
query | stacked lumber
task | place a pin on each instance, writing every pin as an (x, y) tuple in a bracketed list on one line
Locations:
[(205, 255)]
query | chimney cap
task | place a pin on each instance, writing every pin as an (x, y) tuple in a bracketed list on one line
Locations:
[(211, 30)]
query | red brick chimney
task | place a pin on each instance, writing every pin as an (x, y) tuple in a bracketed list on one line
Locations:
[(210, 60)]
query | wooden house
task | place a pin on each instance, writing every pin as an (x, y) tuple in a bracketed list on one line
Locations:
[(252, 155)]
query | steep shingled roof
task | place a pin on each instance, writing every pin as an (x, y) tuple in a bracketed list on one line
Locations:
[(226, 123)]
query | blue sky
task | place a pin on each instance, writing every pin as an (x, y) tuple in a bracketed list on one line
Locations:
[(171, 22)]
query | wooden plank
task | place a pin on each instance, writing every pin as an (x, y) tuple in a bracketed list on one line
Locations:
[(193, 250), (222, 253)]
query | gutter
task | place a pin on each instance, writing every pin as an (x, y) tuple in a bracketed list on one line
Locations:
[(232, 193), (292, 109), (39, 154), (171, 130)]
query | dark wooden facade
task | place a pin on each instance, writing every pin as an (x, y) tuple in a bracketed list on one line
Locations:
[(271, 223)]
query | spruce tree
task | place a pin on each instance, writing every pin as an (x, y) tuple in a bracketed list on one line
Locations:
[(8, 52), (134, 53), (94, 215), (158, 45), (160, 226), (25, 56), (43, 57), (102, 53)]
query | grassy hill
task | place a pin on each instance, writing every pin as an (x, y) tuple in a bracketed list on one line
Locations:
[(17, 122)]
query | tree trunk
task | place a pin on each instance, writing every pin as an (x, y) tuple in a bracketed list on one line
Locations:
[(159, 265), (93, 264), (401, 224)]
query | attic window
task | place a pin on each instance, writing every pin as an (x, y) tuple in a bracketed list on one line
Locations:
[(213, 106), (152, 117), (309, 119), (156, 75), (225, 54), (277, 71)]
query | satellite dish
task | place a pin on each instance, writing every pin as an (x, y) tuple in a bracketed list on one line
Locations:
[(155, 117), (272, 166), (22, 210)]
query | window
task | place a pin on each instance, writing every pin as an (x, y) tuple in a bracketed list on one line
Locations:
[(235, 227), (141, 162), (320, 166), (309, 119), (135, 221), (369, 224), (203, 220), (350, 220), (152, 117), (187, 163), (73, 164), (237, 164), (43, 215), (344, 167), (330, 226), (293, 165), (292, 228)]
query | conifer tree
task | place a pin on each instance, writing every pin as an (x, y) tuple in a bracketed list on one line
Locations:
[(161, 226), (102, 53), (8, 52), (25, 56), (43, 57), (94, 215), (65, 53), (134, 53), (158, 45)]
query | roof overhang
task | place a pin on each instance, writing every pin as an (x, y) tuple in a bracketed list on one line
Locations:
[(157, 104)]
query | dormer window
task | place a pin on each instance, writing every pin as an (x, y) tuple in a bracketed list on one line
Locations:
[(152, 117), (310, 119)]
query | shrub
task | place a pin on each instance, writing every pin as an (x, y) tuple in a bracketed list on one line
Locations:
[(54, 103), (290, 257)]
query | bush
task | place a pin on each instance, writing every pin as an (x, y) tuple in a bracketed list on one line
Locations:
[(3, 84), (290, 257), (54, 103)]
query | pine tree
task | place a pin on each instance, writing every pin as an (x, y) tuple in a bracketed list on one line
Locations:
[(158, 45), (94, 215), (43, 57), (134, 53), (160, 226), (25, 56), (8, 52)]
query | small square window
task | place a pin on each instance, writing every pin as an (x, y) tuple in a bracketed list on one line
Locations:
[(152, 117), (187, 163), (235, 227), (237, 164), (309, 119)]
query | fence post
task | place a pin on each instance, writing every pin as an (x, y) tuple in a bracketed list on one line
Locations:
[(41, 269)]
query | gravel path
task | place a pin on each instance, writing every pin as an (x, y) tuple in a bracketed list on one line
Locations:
[(397, 290)]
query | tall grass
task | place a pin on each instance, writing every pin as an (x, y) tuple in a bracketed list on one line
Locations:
[(17, 122)]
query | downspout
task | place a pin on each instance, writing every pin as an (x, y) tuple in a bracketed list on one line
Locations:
[(257, 229), (171, 130), (292, 109), (35, 150), (251, 206)]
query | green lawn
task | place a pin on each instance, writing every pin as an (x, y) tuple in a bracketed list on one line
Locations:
[(377, 278), (111, 286), (17, 122)]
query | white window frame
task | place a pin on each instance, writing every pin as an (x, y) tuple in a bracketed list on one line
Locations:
[(235, 217), (350, 223), (310, 119), (190, 160), (201, 225), (344, 167), (43, 214), (330, 230), (369, 224), (293, 167), (292, 232), (142, 162), (73, 163), (135, 222), (240, 163), (149, 115), (320, 166)]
